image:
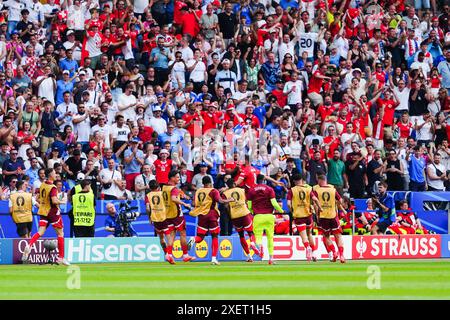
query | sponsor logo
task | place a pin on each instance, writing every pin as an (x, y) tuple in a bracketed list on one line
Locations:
[(201, 249), (389, 247), (361, 247), (292, 248), (177, 251), (38, 254), (113, 250), (225, 248)]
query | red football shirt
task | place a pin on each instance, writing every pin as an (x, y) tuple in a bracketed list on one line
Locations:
[(177, 11), (405, 129), (315, 84), (146, 134), (281, 98), (162, 170), (215, 196), (248, 173), (389, 108), (333, 146), (325, 111), (195, 126), (189, 24), (211, 120), (260, 196)]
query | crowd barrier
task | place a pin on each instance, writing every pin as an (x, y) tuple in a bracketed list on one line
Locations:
[(147, 249)]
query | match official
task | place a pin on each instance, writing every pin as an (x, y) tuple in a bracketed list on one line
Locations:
[(83, 206)]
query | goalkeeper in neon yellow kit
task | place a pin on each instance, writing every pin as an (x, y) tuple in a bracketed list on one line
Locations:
[(261, 201)]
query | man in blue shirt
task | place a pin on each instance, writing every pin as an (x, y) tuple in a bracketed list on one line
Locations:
[(111, 222), (68, 63), (270, 72), (444, 71), (289, 4), (259, 111), (385, 206), (416, 168), (274, 126), (33, 170), (170, 136), (134, 160), (160, 57), (214, 161), (13, 166), (62, 86)]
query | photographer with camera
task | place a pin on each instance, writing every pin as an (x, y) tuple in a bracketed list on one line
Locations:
[(384, 204), (118, 223)]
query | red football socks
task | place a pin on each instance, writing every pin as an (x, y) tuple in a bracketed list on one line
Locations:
[(215, 246), (185, 249), (198, 239), (169, 249), (341, 250), (244, 245), (35, 237), (61, 246)]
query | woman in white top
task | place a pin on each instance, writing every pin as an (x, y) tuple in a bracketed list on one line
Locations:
[(295, 143), (53, 158), (178, 70)]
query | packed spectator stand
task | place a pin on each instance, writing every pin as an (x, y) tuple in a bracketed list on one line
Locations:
[(121, 93)]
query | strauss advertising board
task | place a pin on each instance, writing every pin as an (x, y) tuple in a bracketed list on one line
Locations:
[(397, 247)]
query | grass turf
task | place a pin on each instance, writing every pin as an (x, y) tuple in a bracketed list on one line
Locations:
[(400, 279)]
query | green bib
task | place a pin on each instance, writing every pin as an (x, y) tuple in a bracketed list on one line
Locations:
[(83, 209)]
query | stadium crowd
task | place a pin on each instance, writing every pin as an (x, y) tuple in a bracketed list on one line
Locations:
[(121, 93)]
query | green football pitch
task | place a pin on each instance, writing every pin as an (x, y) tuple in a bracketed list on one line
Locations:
[(396, 279)]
